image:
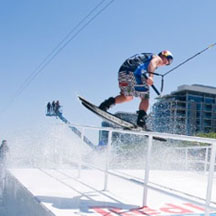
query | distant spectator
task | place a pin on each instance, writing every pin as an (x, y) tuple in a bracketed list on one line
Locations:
[(3, 152), (53, 107), (3, 159), (57, 106), (49, 108)]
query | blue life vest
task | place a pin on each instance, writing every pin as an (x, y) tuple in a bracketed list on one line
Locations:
[(137, 60)]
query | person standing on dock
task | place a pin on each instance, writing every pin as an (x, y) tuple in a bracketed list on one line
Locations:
[(4, 149)]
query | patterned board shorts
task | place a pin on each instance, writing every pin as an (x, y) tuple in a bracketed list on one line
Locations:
[(129, 86)]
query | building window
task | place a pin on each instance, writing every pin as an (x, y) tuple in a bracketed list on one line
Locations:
[(195, 98)]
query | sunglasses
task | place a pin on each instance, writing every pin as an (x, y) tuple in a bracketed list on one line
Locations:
[(169, 59)]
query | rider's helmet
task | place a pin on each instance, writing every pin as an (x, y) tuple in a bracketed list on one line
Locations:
[(168, 55)]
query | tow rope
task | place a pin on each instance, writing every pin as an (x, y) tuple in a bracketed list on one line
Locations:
[(171, 70)]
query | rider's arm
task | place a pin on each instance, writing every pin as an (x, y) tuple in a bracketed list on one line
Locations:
[(154, 63)]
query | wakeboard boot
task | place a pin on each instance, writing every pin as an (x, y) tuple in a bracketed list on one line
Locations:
[(141, 119), (107, 104)]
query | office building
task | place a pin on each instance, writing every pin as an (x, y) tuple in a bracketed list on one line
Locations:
[(189, 110)]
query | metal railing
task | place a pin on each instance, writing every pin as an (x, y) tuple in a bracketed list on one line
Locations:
[(146, 183), (192, 159)]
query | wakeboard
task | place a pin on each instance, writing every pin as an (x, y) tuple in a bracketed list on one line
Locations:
[(112, 118)]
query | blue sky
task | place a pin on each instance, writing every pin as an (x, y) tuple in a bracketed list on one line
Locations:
[(88, 65)]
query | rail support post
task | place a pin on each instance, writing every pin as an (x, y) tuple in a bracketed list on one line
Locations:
[(210, 178), (147, 169), (107, 159)]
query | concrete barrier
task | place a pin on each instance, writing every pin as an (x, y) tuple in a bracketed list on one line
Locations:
[(17, 200)]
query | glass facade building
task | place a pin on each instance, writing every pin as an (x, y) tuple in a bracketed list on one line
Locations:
[(126, 138), (188, 110)]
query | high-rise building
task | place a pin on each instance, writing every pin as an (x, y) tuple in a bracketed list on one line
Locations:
[(188, 110), (126, 138)]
